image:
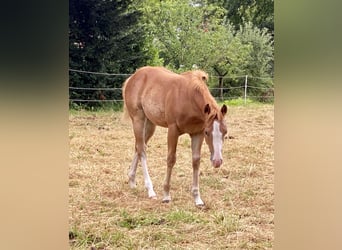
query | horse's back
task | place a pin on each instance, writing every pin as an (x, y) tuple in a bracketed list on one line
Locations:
[(147, 90), (165, 97)]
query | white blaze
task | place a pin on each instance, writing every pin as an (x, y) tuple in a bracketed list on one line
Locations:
[(217, 141)]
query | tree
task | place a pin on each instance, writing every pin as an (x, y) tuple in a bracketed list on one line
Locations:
[(260, 66), (179, 30), (104, 36), (120, 36), (192, 34), (258, 12)]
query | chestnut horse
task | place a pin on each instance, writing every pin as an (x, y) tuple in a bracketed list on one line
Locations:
[(183, 104)]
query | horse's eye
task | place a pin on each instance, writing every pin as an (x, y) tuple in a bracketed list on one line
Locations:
[(206, 133)]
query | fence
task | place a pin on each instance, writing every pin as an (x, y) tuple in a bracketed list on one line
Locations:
[(269, 91)]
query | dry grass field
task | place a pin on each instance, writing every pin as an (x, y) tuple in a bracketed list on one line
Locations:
[(104, 213)]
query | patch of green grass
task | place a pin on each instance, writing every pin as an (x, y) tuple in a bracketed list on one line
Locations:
[(103, 107), (213, 182), (239, 102), (226, 223), (85, 239), (183, 216), (161, 238), (185, 142), (248, 194), (132, 221), (96, 111), (81, 239), (135, 221)]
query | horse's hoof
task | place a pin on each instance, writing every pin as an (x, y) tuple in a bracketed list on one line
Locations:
[(202, 206), (132, 184), (165, 201), (152, 194)]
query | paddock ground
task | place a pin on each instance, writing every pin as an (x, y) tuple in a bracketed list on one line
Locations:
[(104, 213)]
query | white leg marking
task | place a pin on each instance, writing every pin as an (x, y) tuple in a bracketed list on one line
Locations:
[(148, 182), (132, 172), (196, 144), (198, 200), (195, 188), (167, 197)]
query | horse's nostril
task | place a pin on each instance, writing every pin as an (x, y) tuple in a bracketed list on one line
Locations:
[(217, 163)]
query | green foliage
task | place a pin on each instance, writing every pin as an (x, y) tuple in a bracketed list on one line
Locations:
[(104, 107), (196, 34), (225, 38), (183, 32), (259, 12), (261, 52), (260, 66)]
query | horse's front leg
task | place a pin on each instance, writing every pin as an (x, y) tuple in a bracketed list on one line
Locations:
[(196, 145), (172, 139)]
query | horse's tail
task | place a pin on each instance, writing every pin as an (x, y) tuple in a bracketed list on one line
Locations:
[(125, 115)]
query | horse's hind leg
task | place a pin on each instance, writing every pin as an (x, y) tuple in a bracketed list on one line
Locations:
[(143, 130), (134, 165), (149, 130), (132, 171)]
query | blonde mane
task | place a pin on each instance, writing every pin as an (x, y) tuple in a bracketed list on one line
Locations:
[(199, 81)]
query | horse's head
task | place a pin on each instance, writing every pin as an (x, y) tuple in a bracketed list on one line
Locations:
[(214, 133)]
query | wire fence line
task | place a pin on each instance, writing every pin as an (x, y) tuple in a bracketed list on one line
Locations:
[(121, 74), (268, 90), (81, 88), (98, 73)]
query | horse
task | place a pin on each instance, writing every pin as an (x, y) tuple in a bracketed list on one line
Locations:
[(182, 103)]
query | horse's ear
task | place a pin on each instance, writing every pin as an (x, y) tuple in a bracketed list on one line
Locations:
[(224, 110), (204, 76), (207, 109)]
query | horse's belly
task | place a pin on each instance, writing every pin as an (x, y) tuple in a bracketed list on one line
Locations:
[(155, 112)]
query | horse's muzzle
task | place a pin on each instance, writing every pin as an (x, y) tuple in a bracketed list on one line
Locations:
[(216, 162)]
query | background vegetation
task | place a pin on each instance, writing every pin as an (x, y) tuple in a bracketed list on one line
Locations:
[(226, 38)]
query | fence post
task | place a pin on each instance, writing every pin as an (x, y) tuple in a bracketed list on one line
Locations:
[(246, 88)]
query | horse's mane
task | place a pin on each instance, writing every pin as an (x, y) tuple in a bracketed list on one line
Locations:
[(198, 81)]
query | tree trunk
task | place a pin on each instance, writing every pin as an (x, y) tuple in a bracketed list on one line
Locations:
[(220, 78), (221, 87)]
